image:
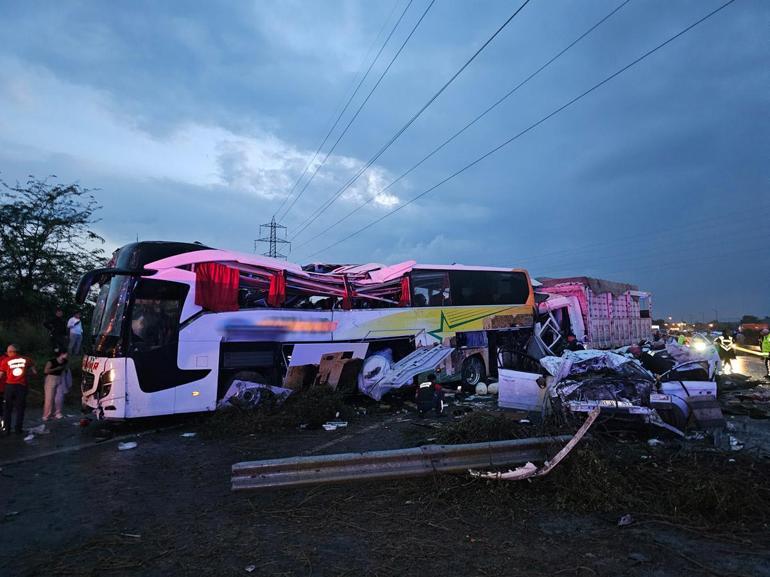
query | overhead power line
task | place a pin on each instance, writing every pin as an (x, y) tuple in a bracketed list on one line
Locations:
[(352, 96), (529, 128), (736, 220), (361, 106), (414, 117), (467, 126)]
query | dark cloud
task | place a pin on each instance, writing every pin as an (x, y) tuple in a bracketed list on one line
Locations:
[(196, 121)]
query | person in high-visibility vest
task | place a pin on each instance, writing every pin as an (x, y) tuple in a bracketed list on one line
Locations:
[(682, 339), (764, 346)]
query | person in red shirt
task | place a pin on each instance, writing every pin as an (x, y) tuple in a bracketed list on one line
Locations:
[(2, 390), (14, 369)]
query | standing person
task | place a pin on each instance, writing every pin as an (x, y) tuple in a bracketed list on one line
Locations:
[(75, 328), (740, 338), (15, 368), (764, 346), (57, 330), (55, 387), (2, 389), (725, 350)]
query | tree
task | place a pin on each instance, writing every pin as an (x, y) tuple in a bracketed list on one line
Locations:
[(46, 244), (749, 319)]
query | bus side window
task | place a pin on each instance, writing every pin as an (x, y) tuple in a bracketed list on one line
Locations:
[(430, 288), (472, 287)]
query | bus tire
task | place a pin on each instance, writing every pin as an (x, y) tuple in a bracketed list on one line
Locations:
[(473, 371)]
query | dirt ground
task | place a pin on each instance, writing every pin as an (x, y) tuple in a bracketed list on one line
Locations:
[(166, 508)]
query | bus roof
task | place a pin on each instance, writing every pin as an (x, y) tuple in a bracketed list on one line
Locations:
[(375, 271)]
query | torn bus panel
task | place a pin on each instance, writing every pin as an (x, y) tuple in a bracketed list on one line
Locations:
[(380, 375)]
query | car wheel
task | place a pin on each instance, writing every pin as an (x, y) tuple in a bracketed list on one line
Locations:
[(472, 371)]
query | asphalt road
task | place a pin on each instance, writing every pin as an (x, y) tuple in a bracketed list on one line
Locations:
[(70, 506)]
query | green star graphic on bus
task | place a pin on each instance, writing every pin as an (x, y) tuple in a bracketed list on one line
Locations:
[(447, 328)]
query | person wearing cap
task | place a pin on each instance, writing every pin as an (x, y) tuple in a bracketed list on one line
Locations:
[(14, 368), (764, 346)]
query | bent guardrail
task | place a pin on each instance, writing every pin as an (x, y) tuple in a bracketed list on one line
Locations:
[(395, 464)]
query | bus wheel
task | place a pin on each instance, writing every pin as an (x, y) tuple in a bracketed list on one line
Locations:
[(472, 371)]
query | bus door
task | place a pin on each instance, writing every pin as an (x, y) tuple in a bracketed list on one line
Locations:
[(153, 348)]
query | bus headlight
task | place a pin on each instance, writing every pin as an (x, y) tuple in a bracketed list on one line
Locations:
[(105, 384)]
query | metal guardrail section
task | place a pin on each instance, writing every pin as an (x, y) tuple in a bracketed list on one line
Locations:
[(396, 464)]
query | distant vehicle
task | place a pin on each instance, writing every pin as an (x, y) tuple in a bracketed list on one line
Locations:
[(602, 314), (176, 324)]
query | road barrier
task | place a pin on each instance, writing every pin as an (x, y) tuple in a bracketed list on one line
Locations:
[(395, 464)]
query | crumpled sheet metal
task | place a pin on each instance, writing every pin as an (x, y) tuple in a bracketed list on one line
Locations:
[(586, 380), (582, 361), (684, 354)]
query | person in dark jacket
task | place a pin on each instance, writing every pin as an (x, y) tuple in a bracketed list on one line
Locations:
[(573, 344), (57, 330), (429, 396), (725, 350), (54, 386)]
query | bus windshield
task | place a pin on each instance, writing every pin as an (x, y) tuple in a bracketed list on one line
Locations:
[(108, 314)]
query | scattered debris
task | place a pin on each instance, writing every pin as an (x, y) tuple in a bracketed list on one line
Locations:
[(334, 425), (248, 394), (250, 568), (40, 430), (29, 437), (188, 435), (638, 557), (127, 445), (530, 471), (308, 409), (131, 535), (655, 443), (735, 444), (626, 520)]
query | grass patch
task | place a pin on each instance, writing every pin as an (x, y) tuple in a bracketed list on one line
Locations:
[(311, 408), (479, 427)]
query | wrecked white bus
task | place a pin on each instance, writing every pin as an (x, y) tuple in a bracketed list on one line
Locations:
[(175, 324)]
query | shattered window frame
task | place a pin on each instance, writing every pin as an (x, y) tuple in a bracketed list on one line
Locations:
[(433, 286)]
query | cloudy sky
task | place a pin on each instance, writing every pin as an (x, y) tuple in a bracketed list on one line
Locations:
[(195, 120)]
